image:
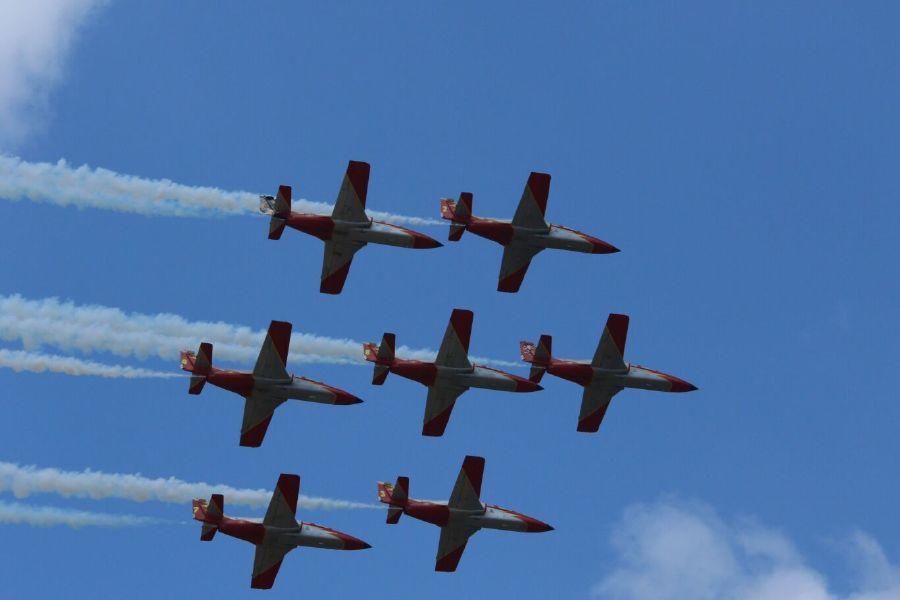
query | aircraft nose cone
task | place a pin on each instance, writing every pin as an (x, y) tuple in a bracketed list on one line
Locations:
[(535, 526), (352, 543), (524, 385), (344, 398), (423, 241), (601, 247), (680, 385)]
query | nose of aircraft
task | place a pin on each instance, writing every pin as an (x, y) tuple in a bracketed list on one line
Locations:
[(680, 385), (352, 543), (535, 526), (601, 247), (343, 398), (524, 385), (424, 241)]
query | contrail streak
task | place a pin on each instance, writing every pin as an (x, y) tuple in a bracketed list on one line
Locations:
[(84, 187), (93, 328), (38, 362), (45, 516), (23, 481)]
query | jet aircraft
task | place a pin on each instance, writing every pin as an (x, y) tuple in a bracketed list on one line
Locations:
[(523, 237), (347, 229), (602, 378), (266, 387), (448, 376), (459, 518), (277, 534)]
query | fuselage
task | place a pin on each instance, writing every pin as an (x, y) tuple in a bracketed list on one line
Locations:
[(293, 388), (366, 232), (488, 517), (304, 534), (553, 236), (632, 376), (478, 376)]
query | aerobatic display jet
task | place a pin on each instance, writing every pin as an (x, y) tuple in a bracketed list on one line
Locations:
[(459, 518), (448, 376), (523, 237), (266, 387), (347, 229), (277, 534), (602, 378)]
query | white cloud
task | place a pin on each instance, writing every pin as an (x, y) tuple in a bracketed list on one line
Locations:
[(672, 551), (35, 36)]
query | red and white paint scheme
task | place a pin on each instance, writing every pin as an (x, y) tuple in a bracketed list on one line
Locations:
[(277, 534), (448, 376), (604, 376), (347, 230), (266, 387), (523, 237), (459, 518)]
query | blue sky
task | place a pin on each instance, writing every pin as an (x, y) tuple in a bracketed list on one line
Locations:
[(743, 157)]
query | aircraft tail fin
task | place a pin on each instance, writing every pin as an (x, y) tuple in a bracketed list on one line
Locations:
[(458, 213), (198, 365), (395, 496), (209, 513), (382, 356), (279, 207), (538, 355)]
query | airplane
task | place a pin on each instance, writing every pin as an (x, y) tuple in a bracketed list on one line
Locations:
[(347, 230), (266, 387), (602, 378), (277, 534), (523, 237), (448, 376), (459, 518)]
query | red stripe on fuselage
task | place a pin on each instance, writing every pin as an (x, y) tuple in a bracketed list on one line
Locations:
[(416, 370), (248, 531), (436, 514), (498, 231), (320, 226), (233, 381), (576, 372)]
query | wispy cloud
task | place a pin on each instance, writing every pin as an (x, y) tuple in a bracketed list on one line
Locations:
[(38, 362), (46, 516), (85, 187), (35, 38), (91, 328), (24, 481), (674, 550)]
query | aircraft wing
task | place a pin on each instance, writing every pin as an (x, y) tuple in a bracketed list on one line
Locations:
[(266, 563), (516, 260), (451, 546), (336, 264), (594, 403), (533, 204), (466, 492), (610, 352), (258, 409), (283, 505), (454, 350), (438, 407), (351, 200), (273, 355)]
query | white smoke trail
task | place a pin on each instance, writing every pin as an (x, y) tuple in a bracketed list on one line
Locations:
[(93, 328), (45, 516), (24, 481), (84, 187), (37, 362)]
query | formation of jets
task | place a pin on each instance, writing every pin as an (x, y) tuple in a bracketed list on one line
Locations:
[(349, 228), (344, 232)]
